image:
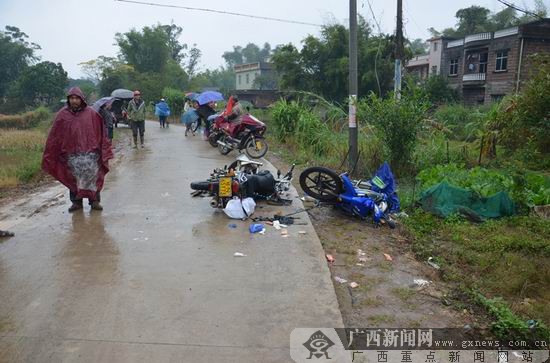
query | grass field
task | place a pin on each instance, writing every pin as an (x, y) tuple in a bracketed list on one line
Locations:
[(21, 147)]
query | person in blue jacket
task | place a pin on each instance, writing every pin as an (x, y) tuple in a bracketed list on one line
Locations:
[(162, 111)]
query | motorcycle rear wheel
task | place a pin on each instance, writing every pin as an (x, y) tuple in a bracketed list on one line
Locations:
[(321, 183), (256, 148), (203, 185)]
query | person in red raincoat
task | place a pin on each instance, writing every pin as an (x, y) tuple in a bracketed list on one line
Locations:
[(78, 150)]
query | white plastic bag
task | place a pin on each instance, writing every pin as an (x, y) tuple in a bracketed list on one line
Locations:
[(237, 209)]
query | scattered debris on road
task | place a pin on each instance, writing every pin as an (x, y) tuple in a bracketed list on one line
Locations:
[(330, 258), (388, 257), (340, 280), (353, 285), (6, 234), (239, 254), (257, 228), (433, 264), (420, 283)]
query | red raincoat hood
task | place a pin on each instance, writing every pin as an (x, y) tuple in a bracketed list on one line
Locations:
[(75, 91)]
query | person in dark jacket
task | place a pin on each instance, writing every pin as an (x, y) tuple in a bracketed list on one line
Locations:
[(108, 119), (205, 111)]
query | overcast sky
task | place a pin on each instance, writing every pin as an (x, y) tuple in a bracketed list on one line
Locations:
[(72, 31)]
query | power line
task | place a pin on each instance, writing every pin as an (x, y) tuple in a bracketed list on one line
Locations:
[(510, 5), (221, 12)]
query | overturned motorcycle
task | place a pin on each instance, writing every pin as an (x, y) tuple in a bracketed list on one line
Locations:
[(375, 197), (243, 179)]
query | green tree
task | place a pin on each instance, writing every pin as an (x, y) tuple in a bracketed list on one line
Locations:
[(147, 50), (221, 78), (322, 64), (176, 48), (418, 47), (471, 20), (41, 84), (16, 53)]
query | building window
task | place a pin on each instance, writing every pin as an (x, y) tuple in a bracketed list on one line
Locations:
[(497, 98), (435, 47), (483, 62), (434, 69), (502, 61), (247, 78), (453, 69), (240, 79)]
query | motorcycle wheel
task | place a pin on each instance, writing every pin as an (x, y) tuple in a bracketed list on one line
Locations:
[(213, 139), (224, 150), (203, 185), (256, 148), (321, 183)]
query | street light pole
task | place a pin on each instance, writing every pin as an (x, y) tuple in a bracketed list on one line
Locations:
[(353, 89)]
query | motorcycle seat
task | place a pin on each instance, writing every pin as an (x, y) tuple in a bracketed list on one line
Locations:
[(262, 183)]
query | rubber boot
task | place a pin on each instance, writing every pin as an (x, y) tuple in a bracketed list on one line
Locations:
[(76, 206), (96, 206)]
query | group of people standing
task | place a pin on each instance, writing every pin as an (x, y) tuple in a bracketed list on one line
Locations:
[(79, 145)]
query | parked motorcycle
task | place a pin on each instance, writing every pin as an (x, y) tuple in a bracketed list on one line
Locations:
[(226, 183), (247, 135), (375, 198)]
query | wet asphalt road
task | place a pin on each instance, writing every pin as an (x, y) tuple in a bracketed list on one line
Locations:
[(152, 278)]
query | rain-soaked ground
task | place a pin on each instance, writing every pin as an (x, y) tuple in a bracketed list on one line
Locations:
[(153, 277)]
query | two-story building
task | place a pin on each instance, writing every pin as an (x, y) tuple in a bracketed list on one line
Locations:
[(255, 83), (485, 67)]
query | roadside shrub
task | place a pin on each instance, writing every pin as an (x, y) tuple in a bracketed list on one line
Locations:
[(25, 120), (285, 116), (397, 123), (525, 118), (464, 123), (175, 99)]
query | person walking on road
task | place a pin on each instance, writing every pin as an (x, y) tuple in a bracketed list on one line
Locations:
[(162, 110), (205, 111), (136, 115), (77, 151), (108, 119)]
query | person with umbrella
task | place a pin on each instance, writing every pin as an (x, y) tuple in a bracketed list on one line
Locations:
[(162, 110), (136, 114), (103, 107), (77, 151), (190, 116), (207, 101)]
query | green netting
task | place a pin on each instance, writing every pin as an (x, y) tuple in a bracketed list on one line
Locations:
[(444, 199)]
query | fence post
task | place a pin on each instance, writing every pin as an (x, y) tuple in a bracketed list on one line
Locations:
[(481, 149)]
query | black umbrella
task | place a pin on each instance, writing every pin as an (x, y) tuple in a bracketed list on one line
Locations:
[(122, 93)]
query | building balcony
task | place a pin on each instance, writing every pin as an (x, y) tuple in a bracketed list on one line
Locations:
[(477, 37), (455, 43), (474, 77), (506, 32)]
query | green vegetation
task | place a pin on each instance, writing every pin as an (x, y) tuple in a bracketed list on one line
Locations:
[(22, 140), (501, 266), (25, 82)]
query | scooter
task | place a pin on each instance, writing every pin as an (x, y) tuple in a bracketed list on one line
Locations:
[(246, 134), (357, 198)]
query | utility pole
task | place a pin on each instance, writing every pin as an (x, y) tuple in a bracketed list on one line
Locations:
[(398, 49), (353, 89)]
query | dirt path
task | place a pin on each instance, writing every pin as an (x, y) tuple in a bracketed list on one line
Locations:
[(387, 295)]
